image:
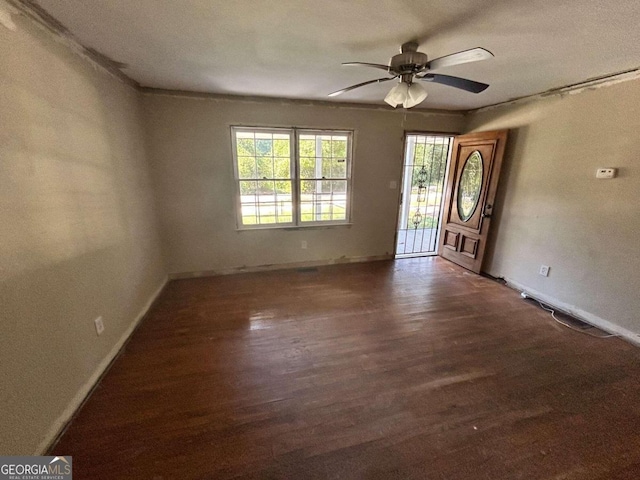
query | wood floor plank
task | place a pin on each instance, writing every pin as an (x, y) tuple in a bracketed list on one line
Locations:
[(405, 369)]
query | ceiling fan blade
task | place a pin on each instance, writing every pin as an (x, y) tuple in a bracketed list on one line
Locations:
[(374, 65), (353, 87), (456, 82), (466, 56)]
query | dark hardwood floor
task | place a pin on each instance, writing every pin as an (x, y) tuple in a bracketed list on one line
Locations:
[(385, 370)]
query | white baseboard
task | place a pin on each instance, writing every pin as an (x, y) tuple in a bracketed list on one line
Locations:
[(278, 266), (578, 313), (62, 421)]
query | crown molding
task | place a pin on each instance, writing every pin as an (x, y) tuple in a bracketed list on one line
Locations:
[(571, 89), (295, 101)]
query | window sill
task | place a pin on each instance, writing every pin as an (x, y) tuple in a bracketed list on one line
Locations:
[(315, 226)]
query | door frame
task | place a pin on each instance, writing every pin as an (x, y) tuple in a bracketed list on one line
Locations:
[(400, 195)]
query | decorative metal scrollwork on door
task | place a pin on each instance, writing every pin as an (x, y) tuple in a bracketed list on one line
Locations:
[(417, 218), (421, 180)]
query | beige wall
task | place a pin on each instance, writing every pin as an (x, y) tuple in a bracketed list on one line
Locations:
[(78, 230), (553, 211), (190, 147)]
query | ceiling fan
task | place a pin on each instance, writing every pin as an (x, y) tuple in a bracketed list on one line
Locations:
[(410, 64)]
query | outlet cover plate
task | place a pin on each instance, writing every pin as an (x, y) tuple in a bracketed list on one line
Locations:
[(544, 270), (606, 172)]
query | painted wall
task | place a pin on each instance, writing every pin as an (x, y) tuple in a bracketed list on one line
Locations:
[(189, 143), (553, 211), (78, 231)]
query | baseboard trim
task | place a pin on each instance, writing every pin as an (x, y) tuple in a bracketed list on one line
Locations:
[(277, 266), (62, 422), (591, 319)]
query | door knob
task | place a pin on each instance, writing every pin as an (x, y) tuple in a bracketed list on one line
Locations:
[(486, 213)]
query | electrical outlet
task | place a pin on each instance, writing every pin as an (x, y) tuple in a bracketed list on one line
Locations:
[(99, 325), (393, 184), (606, 172), (544, 270), (304, 245)]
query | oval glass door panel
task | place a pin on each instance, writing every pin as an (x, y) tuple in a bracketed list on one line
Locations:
[(470, 186)]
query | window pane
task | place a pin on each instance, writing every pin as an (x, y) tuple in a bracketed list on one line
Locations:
[(266, 202), (307, 167), (282, 168), (307, 146), (284, 202), (265, 167), (246, 167), (264, 144), (266, 219), (325, 151), (339, 186), (246, 146), (338, 168), (248, 188), (323, 156), (283, 188), (247, 218), (263, 155), (326, 167), (307, 187), (281, 148), (339, 147), (338, 157), (323, 200), (339, 199)]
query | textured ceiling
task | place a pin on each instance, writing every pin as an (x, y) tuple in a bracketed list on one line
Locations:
[(294, 48)]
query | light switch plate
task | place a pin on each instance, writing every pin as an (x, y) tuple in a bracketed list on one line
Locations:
[(99, 325)]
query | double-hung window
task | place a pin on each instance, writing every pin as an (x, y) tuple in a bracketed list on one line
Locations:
[(292, 177)]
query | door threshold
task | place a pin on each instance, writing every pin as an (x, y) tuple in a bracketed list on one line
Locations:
[(413, 255)]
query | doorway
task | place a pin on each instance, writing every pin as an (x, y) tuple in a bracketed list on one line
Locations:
[(426, 157)]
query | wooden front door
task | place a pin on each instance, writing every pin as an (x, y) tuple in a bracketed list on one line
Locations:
[(476, 159)]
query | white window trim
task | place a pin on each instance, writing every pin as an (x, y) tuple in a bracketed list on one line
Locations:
[(294, 135)]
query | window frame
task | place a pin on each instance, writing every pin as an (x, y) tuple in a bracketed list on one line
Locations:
[(237, 179), (296, 180)]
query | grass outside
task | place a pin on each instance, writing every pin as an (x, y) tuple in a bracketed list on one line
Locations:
[(271, 210)]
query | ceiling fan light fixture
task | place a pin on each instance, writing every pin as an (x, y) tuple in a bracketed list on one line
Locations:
[(397, 95), (406, 95), (415, 95)]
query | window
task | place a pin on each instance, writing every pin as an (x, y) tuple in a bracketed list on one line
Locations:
[(264, 172), (292, 177)]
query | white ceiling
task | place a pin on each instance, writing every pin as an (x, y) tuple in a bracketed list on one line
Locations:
[(294, 48)]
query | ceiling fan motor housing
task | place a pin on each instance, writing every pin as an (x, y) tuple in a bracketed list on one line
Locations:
[(410, 61)]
